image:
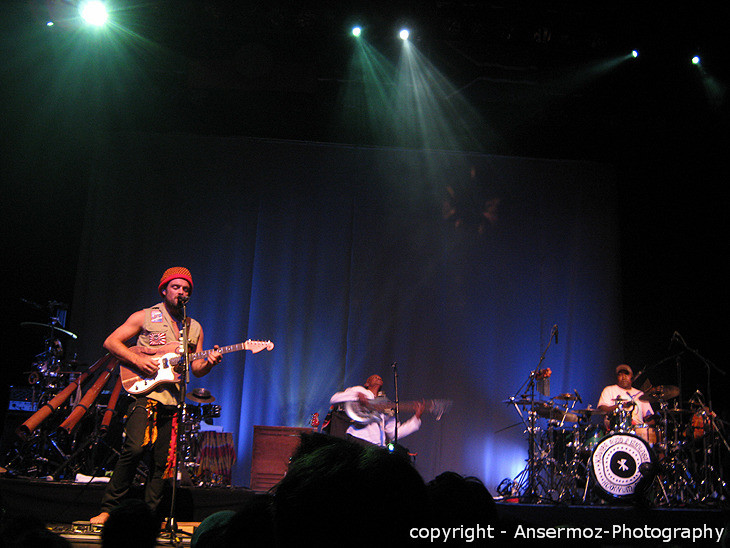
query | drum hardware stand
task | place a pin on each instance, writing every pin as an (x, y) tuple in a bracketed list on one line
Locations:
[(710, 488), (91, 442)]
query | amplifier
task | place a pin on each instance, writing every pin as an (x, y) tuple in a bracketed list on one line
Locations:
[(22, 399)]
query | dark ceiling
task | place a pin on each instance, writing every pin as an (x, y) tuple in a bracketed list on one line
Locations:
[(534, 70)]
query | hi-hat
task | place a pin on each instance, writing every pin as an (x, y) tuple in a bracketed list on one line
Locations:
[(519, 402), (549, 412), (201, 395), (567, 397)]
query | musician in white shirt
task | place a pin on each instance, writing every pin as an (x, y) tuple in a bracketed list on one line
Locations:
[(381, 429), (622, 393)]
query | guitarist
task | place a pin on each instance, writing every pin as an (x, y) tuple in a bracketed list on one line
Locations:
[(152, 418), (382, 429)]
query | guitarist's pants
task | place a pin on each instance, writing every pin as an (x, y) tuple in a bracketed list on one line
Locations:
[(133, 451)]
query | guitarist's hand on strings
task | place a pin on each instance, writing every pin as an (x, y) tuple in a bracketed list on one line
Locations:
[(215, 356), (146, 365), (420, 408)]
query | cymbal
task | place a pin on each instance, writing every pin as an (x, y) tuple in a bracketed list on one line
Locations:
[(49, 326), (660, 393), (549, 412), (588, 412), (566, 397), (676, 411), (201, 395)]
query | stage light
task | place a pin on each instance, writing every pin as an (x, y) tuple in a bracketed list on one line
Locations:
[(404, 34), (696, 60), (356, 31), (94, 13), (635, 53)]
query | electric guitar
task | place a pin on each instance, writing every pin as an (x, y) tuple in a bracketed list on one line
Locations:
[(168, 359), (369, 411)]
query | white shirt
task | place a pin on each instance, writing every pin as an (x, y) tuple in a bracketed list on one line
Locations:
[(380, 431), (642, 409)]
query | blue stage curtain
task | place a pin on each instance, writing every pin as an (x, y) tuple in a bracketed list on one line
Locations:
[(347, 259)]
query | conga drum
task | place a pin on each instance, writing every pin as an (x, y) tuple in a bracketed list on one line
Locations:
[(216, 457)]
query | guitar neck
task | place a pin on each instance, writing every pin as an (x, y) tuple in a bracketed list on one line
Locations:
[(402, 406), (437, 407), (223, 350)]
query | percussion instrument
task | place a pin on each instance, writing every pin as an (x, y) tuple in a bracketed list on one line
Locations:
[(592, 434), (647, 433), (620, 419)]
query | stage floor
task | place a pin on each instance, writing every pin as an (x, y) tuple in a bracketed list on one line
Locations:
[(60, 504)]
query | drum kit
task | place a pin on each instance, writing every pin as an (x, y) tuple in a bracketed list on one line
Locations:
[(51, 371), (590, 456)]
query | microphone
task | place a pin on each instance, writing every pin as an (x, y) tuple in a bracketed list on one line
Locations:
[(555, 331), (394, 365), (182, 300)]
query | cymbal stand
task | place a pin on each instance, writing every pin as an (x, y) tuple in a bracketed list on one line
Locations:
[(530, 492), (674, 479), (570, 470), (713, 485)]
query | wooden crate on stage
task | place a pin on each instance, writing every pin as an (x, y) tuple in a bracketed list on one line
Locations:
[(272, 448)]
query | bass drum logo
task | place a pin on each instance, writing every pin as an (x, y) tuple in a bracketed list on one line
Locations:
[(617, 464)]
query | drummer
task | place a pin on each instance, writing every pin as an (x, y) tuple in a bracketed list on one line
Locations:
[(623, 394)]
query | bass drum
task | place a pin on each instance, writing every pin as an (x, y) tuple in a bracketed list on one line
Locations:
[(622, 465)]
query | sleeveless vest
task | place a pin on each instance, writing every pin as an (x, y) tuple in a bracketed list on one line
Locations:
[(161, 329)]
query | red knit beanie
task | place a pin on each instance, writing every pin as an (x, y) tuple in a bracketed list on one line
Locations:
[(171, 274)]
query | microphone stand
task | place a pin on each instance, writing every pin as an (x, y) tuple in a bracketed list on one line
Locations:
[(184, 363), (395, 384)]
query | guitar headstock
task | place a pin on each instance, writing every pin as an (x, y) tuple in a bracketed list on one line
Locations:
[(258, 346)]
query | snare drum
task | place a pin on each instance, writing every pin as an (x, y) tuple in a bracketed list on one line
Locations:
[(621, 463)]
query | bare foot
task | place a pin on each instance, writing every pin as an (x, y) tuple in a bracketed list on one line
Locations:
[(100, 519)]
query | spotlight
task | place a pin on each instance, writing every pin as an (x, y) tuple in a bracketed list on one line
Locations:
[(696, 60), (356, 31), (94, 13), (635, 53), (404, 34)]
